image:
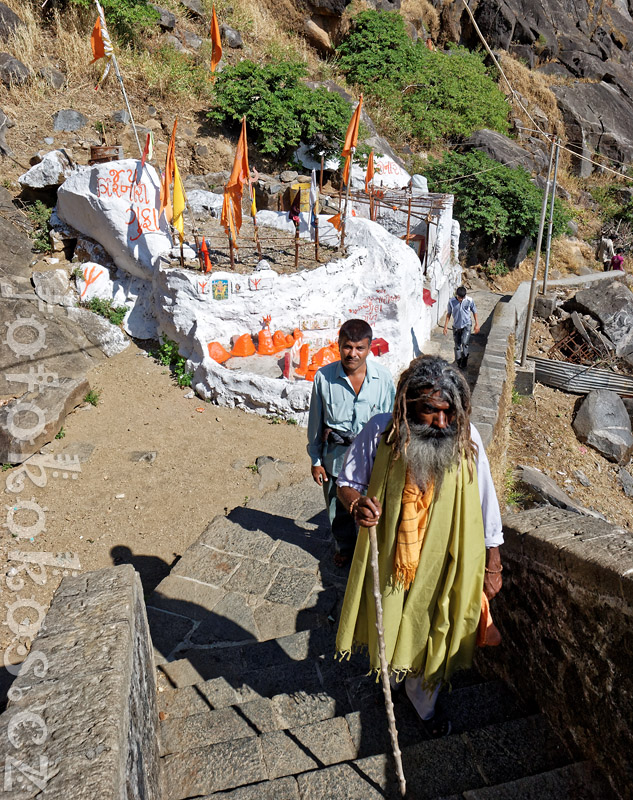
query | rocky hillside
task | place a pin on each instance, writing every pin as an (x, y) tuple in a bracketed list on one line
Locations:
[(566, 71)]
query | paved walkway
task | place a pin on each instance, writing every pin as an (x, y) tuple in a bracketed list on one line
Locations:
[(253, 705)]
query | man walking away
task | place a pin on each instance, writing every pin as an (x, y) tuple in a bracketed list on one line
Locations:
[(460, 308), (421, 476), (345, 395), (605, 251)]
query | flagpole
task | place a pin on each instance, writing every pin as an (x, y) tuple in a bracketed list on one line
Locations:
[(349, 183), (118, 74)]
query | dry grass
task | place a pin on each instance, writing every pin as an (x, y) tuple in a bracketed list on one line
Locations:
[(416, 11)]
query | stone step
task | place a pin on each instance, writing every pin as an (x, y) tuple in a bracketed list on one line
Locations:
[(323, 756)]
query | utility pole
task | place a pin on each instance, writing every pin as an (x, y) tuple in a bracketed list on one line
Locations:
[(537, 256), (551, 218)]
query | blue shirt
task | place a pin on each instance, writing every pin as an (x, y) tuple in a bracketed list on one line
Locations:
[(461, 311), (336, 405)]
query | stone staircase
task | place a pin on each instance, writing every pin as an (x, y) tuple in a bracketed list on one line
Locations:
[(254, 707)]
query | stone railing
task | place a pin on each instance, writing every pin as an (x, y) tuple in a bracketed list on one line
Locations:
[(566, 616), (82, 721)]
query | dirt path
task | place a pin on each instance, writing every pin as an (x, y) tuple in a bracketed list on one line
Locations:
[(120, 509)]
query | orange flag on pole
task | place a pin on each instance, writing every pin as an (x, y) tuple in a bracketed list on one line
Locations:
[(336, 221), (239, 176), (369, 176), (205, 252), (216, 43), (351, 137), (101, 45), (227, 216), (168, 176), (346, 169)]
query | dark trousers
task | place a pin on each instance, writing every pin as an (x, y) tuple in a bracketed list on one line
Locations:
[(461, 342), (341, 521)]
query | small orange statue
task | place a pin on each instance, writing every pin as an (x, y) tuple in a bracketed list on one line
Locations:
[(218, 353), (243, 346)]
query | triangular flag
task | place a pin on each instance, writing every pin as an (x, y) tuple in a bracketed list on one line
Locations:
[(369, 175), (205, 253), (165, 202), (351, 137), (239, 176), (336, 221), (179, 204), (227, 216), (216, 43), (148, 150), (101, 45), (295, 209), (314, 198)]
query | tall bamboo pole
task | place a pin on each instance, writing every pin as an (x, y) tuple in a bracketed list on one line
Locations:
[(551, 219), (384, 674), (539, 241), (349, 183), (297, 244)]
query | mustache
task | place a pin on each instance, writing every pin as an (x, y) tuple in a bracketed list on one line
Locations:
[(421, 431)]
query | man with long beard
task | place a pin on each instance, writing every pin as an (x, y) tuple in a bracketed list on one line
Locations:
[(421, 476)]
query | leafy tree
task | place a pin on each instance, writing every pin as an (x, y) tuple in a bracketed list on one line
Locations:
[(430, 95), (281, 111), (491, 200)]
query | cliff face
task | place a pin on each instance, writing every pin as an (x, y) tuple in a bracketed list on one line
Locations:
[(586, 46)]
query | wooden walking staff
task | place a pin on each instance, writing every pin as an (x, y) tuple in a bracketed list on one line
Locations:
[(384, 673)]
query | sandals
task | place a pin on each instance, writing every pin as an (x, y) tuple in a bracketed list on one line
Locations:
[(436, 729)]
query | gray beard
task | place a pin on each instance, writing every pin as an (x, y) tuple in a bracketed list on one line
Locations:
[(430, 454)]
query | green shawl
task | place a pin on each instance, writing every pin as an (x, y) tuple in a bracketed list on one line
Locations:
[(430, 630)]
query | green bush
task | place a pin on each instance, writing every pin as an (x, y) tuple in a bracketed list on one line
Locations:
[(281, 111), (169, 356), (429, 95), (492, 200), (125, 18), (39, 215), (104, 308)]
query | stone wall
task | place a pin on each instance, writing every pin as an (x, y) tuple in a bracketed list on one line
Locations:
[(82, 721), (566, 616)]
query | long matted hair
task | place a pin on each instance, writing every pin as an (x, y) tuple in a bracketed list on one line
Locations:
[(432, 374)]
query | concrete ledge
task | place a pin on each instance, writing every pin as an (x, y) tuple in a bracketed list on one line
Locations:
[(82, 721)]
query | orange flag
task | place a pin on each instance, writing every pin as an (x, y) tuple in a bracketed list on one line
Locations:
[(346, 169), (369, 176), (227, 216), (216, 52), (205, 253), (351, 137), (168, 176), (239, 176), (101, 45), (336, 221)]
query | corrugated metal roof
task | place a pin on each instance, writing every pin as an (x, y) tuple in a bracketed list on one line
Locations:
[(580, 379)]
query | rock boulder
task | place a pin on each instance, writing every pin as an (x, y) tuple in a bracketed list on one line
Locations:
[(501, 148), (68, 120), (5, 124), (12, 71), (544, 489), (603, 423), (49, 174), (612, 306), (9, 22)]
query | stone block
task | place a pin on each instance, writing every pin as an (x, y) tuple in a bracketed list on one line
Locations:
[(205, 770), (303, 708), (348, 781), (300, 749), (442, 767), (195, 699), (524, 379), (252, 577), (576, 780), (223, 534), (222, 725), (495, 750), (168, 630), (203, 564), (283, 789), (275, 619), (95, 693), (185, 597), (232, 620), (294, 555), (291, 587)]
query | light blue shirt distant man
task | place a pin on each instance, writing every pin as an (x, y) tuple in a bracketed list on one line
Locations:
[(345, 396), (460, 308)]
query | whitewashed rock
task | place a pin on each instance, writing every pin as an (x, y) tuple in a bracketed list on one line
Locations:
[(96, 201), (109, 338), (387, 174), (202, 202), (50, 173), (420, 182), (94, 281)]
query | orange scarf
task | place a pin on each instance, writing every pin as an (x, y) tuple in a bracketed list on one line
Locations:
[(413, 521)]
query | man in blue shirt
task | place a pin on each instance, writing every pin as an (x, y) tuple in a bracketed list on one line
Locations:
[(460, 308), (345, 395)]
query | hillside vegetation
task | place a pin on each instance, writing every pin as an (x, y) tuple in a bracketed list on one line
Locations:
[(425, 101)]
